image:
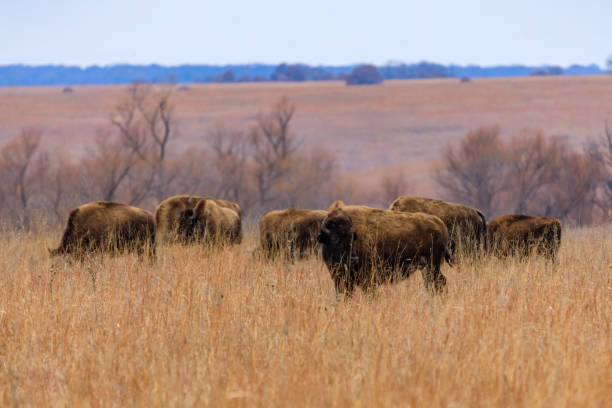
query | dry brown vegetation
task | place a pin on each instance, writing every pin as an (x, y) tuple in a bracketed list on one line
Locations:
[(262, 167), (142, 152), (357, 124), (531, 173), (217, 328), (203, 327)]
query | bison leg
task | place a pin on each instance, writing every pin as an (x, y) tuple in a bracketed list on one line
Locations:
[(292, 250), (435, 281), (344, 284), (152, 254), (550, 243), (407, 267)]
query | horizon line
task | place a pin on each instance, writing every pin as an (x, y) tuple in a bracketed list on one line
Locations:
[(390, 63)]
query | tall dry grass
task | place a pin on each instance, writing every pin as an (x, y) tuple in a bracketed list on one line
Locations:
[(219, 328)]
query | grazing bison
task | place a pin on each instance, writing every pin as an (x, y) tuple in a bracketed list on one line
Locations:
[(466, 225), (178, 221), (284, 232), (211, 223), (104, 226), (518, 234), (364, 246)]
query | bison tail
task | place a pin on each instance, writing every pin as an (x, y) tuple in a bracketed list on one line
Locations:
[(484, 230), (448, 257), (68, 236)]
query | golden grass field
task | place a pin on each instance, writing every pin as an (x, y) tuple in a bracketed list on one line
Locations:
[(221, 328), (400, 125), (203, 327)]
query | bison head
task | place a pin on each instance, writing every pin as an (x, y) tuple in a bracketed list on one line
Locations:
[(190, 223), (186, 224), (336, 238)]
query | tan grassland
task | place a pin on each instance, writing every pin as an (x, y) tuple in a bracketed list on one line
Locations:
[(219, 328), (400, 125)]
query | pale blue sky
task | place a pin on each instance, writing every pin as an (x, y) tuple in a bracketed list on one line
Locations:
[(85, 32)]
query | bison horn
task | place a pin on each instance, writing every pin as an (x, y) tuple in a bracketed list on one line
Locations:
[(323, 227), (351, 220)]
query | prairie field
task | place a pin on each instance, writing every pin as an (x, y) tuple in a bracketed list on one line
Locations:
[(204, 327), (399, 125)]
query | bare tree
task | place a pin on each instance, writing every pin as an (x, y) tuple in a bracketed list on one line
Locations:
[(600, 151), (474, 171), (531, 165), (267, 166), (23, 169), (273, 144), (309, 182), (61, 191), (572, 195), (534, 173), (230, 153), (128, 161), (157, 112), (108, 166), (145, 123)]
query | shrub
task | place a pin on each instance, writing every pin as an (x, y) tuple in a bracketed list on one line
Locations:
[(364, 75)]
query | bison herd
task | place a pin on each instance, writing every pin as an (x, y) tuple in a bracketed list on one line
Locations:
[(361, 246)]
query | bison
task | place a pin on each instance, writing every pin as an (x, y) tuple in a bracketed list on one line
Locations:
[(466, 225), (519, 234), (364, 246), (104, 226), (210, 222), (187, 219), (285, 232)]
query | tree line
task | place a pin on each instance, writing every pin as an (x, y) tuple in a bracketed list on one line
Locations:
[(264, 166), (11, 75), (136, 159), (530, 173)]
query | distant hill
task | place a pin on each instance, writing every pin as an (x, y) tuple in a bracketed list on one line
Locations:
[(12, 75)]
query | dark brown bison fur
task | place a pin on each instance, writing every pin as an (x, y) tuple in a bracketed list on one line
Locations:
[(466, 225), (176, 223), (364, 246), (518, 234), (210, 223), (289, 232), (104, 226)]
